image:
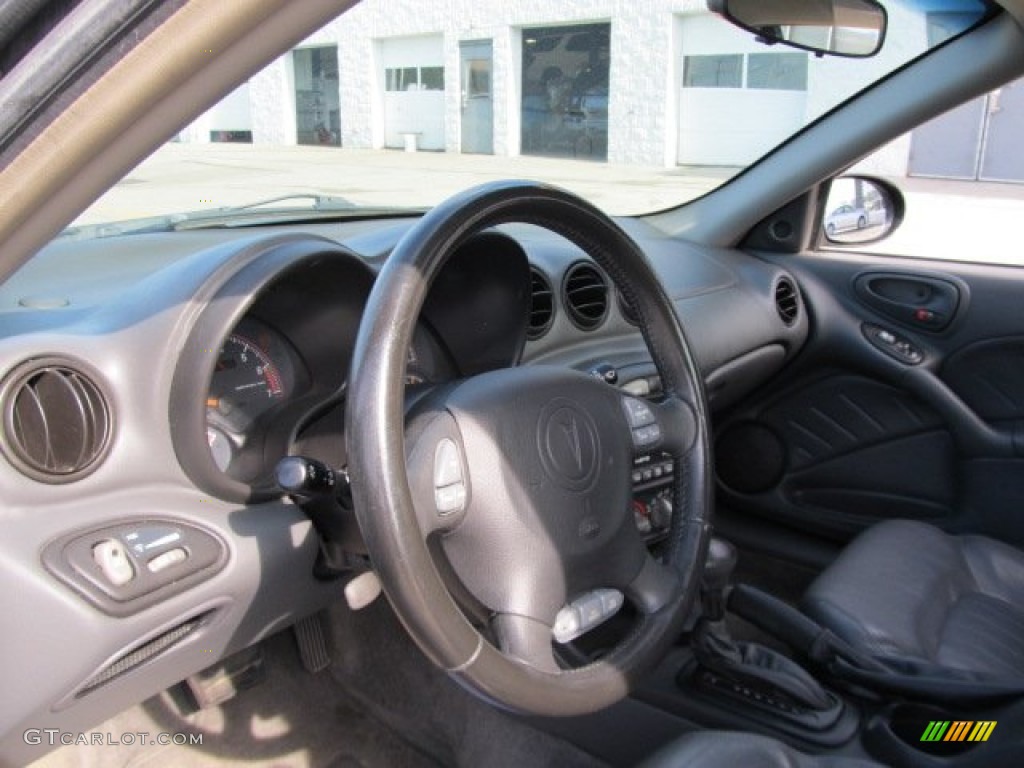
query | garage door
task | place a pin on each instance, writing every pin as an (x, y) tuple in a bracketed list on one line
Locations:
[(736, 106), (414, 82), (979, 140)]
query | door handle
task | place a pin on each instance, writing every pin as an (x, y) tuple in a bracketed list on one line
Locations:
[(924, 302)]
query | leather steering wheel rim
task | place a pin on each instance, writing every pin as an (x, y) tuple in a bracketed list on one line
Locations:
[(383, 500)]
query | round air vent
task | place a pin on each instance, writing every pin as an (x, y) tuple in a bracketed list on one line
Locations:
[(542, 306), (56, 420), (787, 300), (585, 293)]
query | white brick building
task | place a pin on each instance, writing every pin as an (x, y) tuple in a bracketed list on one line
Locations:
[(646, 82)]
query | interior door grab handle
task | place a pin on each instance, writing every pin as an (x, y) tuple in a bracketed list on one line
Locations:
[(923, 302)]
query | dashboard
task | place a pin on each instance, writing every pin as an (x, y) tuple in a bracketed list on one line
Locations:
[(203, 357)]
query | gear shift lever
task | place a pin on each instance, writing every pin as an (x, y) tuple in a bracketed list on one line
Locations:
[(748, 666), (718, 569)]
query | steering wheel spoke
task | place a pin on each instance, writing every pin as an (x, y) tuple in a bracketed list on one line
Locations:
[(654, 587), (526, 640)]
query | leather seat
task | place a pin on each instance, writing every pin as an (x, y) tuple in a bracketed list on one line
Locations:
[(725, 749), (924, 602)]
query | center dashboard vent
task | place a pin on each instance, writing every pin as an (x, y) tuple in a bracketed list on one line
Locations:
[(787, 300), (585, 293), (57, 422), (542, 306)]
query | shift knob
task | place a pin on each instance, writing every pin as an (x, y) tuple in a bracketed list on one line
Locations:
[(718, 569)]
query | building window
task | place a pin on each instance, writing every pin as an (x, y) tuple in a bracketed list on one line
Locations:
[(777, 71), (432, 78), (713, 71), (231, 137), (414, 79)]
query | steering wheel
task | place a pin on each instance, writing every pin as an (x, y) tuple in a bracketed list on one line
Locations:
[(524, 474)]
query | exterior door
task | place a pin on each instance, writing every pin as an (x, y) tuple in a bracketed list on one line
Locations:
[(477, 98), (317, 100), (1002, 159)]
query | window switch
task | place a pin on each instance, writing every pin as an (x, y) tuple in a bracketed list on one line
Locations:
[(893, 344), (112, 558)]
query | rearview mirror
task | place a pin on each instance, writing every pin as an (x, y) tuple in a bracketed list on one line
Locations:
[(854, 28)]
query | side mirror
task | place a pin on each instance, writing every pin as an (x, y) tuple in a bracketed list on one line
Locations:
[(860, 209), (853, 28)]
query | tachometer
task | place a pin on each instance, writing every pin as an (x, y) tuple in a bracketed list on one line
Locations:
[(253, 373), (245, 382)]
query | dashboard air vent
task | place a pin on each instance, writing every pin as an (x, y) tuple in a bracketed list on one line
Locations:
[(585, 293), (542, 306), (56, 421), (787, 300)]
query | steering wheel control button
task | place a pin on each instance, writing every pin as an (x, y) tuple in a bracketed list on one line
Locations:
[(638, 413), (447, 463), (112, 558), (586, 612), (647, 437), (449, 482), (450, 499), (167, 559)]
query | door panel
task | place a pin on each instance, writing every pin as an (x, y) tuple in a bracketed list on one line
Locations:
[(853, 433), (989, 378), (845, 451)]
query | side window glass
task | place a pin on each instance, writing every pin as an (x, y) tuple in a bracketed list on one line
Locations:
[(962, 179)]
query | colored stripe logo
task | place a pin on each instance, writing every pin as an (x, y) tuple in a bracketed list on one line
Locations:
[(958, 730)]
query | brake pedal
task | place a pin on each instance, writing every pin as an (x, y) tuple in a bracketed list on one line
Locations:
[(312, 642)]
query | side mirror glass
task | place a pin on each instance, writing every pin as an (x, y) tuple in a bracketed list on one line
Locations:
[(853, 28), (860, 210)]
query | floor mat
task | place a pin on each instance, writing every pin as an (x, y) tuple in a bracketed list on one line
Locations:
[(381, 705), (291, 720), (378, 663)]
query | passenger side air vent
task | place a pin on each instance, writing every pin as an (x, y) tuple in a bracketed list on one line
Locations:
[(585, 293), (57, 422), (787, 300), (542, 306)]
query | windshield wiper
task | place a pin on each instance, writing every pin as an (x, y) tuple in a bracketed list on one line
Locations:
[(259, 213)]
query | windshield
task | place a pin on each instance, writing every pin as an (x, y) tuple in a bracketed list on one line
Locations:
[(637, 109)]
